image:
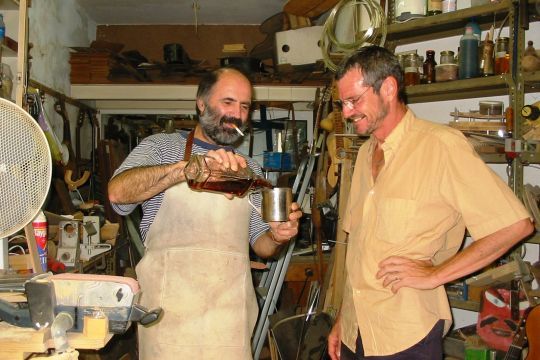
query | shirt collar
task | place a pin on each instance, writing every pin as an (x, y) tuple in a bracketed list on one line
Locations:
[(394, 139)]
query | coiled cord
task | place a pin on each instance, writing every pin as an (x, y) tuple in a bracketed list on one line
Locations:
[(377, 29)]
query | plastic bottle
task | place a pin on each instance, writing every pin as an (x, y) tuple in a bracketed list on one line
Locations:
[(475, 29), (468, 55), (40, 233), (2, 29)]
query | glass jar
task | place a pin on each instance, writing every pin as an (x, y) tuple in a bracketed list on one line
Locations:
[(429, 67), (401, 58), (410, 69), (434, 7), (447, 57), (448, 6), (502, 56)]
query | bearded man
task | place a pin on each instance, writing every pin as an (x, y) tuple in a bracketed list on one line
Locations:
[(196, 262)]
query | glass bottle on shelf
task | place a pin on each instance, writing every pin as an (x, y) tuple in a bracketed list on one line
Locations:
[(410, 69), (486, 58), (447, 57), (434, 7), (429, 67), (502, 56)]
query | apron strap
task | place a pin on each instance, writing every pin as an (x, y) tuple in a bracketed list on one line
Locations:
[(189, 145)]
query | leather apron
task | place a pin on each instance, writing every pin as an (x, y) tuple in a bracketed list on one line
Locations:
[(196, 268)]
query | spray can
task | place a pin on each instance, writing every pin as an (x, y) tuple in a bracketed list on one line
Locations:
[(40, 233)]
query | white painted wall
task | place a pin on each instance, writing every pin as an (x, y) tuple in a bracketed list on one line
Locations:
[(54, 26)]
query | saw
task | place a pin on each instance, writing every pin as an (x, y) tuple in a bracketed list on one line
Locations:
[(79, 295)]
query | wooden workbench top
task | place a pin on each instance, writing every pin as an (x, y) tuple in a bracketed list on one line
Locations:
[(18, 343)]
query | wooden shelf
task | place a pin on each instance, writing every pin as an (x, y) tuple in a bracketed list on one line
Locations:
[(459, 89), (447, 24), (9, 47), (464, 304), (175, 97), (9, 4), (532, 81)]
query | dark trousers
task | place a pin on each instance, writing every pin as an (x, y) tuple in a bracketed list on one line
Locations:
[(429, 348)]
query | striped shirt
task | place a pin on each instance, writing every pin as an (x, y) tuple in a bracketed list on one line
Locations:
[(163, 149)]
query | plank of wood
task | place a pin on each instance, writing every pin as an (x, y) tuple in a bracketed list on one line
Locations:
[(309, 8), (18, 340), (334, 294), (20, 262), (477, 125), (22, 340)]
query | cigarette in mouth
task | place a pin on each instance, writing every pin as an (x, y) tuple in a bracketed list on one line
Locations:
[(238, 130)]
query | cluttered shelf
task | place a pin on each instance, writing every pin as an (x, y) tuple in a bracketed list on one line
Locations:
[(447, 24), (459, 89), (467, 88)]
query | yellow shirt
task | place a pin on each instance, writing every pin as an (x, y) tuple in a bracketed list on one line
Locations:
[(433, 185)]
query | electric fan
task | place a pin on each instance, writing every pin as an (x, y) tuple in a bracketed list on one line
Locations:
[(25, 170)]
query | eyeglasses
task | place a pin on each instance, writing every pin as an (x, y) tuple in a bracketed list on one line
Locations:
[(350, 103)]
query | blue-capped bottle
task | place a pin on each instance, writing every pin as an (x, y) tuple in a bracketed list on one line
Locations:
[(475, 29), (468, 55)]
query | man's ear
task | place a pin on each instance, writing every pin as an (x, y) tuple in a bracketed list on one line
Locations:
[(389, 87), (200, 105)]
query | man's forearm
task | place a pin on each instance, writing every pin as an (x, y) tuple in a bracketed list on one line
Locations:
[(139, 184), (266, 246), (483, 252)]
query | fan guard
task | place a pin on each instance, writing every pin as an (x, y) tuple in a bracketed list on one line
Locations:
[(25, 168)]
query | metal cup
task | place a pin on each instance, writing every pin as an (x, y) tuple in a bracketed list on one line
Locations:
[(276, 204)]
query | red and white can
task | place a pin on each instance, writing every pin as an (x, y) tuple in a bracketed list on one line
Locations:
[(40, 233)]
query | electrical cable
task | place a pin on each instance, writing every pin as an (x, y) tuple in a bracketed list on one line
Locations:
[(375, 31), (17, 237), (11, 248)]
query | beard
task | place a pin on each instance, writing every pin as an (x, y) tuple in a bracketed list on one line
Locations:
[(374, 124), (213, 126)]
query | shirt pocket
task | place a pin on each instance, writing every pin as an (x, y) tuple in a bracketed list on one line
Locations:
[(394, 219)]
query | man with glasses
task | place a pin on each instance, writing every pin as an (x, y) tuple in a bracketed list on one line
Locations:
[(416, 186)]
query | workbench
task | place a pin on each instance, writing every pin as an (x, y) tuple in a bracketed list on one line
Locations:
[(19, 343)]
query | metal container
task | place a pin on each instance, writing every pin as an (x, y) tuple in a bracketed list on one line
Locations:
[(276, 204), (491, 107)]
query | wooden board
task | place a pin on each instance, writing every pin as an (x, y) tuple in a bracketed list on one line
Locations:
[(478, 125), (309, 8), (15, 341)]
